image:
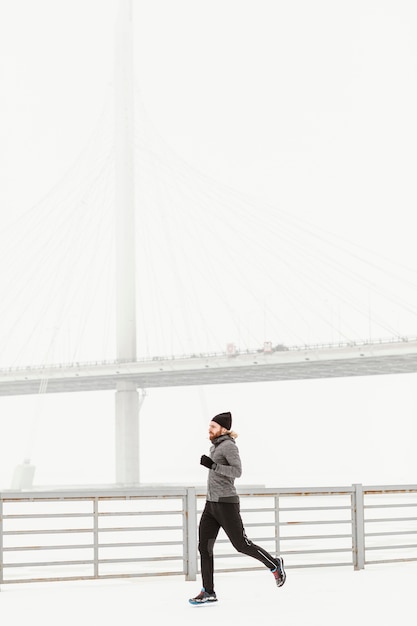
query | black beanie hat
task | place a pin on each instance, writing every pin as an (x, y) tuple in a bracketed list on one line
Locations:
[(224, 419)]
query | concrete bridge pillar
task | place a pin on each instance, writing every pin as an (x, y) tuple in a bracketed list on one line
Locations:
[(127, 434)]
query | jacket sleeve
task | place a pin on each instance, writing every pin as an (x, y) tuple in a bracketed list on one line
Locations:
[(234, 467)]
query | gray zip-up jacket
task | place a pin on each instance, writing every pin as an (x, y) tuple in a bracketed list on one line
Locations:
[(220, 483)]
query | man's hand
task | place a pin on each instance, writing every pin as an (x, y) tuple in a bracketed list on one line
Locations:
[(207, 462)]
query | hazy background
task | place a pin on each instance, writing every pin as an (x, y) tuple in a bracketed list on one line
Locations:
[(275, 160)]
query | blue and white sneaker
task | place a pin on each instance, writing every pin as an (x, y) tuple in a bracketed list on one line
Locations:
[(203, 598), (279, 572)]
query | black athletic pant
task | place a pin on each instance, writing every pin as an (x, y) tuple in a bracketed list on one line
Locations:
[(225, 515)]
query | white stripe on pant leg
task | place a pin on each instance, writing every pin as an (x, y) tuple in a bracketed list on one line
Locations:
[(274, 565)]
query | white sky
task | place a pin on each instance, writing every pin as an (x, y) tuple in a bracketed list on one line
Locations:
[(303, 110), (275, 146)]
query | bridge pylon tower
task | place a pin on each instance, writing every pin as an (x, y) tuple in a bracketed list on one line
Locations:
[(127, 404)]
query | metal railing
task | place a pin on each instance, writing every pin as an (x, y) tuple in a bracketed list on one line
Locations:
[(116, 533), (11, 369)]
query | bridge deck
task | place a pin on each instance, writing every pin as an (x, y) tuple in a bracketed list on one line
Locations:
[(307, 363)]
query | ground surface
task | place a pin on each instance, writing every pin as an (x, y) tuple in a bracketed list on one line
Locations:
[(313, 597)]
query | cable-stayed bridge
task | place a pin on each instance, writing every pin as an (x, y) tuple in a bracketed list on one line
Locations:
[(197, 261), (308, 362)]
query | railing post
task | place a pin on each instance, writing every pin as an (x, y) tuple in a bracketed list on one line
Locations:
[(1, 541), (95, 536), (277, 528), (190, 504), (358, 528)]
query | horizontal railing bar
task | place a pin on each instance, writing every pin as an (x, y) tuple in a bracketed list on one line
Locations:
[(324, 551), (293, 552), (406, 546), (391, 519), (47, 515), (19, 497), (89, 546), (304, 537), (102, 576), (81, 546), (304, 523), (142, 559), (260, 510), (90, 530), (389, 506), (138, 528), (143, 544), (405, 560), (310, 565), (315, 522), (139, 513), (164, 494), (86, 495), (100, 514), (295, 509), (315, 508), (394, 532), (288, 492), (260, 524), (141, 574), (295, 538), (47, 563), (287, 567), (90, 562), (384, 489), (13, 581), (52, 531)]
